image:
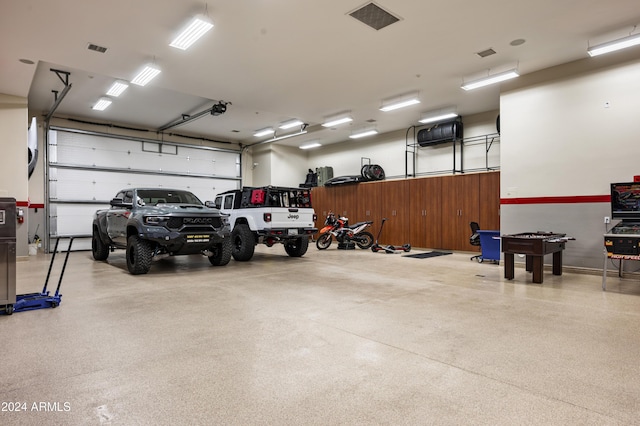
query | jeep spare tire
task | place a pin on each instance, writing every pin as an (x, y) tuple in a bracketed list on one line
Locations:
[(297, 247)]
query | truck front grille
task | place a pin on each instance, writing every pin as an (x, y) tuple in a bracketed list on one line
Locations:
[(194, 223)]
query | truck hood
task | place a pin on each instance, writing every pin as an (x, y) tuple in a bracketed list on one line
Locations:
[(162, 209)]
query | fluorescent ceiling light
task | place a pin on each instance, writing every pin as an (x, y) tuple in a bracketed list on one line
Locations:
[(102, 104), (192, 32), (301, 132), (491, 79), (291, 123), (310, 145), (612, 46), (390, 106), (264, 132), (117, 88), (146, 75), (438, 117), (364, 133), (337, 121)]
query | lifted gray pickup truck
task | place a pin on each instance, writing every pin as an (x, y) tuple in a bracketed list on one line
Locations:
[(148, 222)]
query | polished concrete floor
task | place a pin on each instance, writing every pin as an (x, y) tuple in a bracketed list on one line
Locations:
[(333, 338)]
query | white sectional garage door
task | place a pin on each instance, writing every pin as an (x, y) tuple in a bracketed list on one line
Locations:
[(87, 169)]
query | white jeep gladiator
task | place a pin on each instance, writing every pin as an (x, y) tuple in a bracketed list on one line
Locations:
[(268, 215)]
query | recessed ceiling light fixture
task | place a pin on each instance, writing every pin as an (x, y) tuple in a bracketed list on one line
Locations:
[(264, 132), (400, 102), (117, 88), (291, 123), (147, 74), (614, 45), (490, 79), (196, 28), (102, 104), (337, 120)]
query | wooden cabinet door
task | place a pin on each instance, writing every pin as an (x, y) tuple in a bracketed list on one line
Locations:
[(322, 202), (425, 212), (345, 201), (490, 201), (370, 205), (395, 207), (460, 206)]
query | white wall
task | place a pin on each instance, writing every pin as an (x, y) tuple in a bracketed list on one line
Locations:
[(569, 132), (14, 172)]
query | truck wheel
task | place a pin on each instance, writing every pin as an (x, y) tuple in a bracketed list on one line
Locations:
[(297, 247), (139, 254), (243, 243), (221, 253), (324, 241), (365, 240), (99, 249)]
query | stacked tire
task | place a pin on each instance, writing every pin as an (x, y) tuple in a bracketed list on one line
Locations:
[(371, 172)]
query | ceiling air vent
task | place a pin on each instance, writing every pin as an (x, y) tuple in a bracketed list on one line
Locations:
[(374, 16), (96, 48), (486, 53)]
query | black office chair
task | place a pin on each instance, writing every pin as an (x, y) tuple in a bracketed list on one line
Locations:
[(474, 239)]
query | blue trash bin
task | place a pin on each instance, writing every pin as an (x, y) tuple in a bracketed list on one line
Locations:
[(490, 245)]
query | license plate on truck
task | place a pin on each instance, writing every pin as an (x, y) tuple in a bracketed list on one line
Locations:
[(292, 231)]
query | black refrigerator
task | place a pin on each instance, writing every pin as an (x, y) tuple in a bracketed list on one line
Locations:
[(7, 253)]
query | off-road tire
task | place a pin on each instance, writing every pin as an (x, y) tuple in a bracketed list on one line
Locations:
[(297, 247), (365, 240), (99, 249), (139, 253), (221, 253), (324, 241), (243, 243)]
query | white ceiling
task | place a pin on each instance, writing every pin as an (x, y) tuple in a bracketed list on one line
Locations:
[(275, 60)]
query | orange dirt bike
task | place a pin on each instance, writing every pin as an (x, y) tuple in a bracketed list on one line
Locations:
[(343, 233)]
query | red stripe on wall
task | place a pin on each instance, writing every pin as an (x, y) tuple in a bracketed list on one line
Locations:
[(30, 205), (558, 200)]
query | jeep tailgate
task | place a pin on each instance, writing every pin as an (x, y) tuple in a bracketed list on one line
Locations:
[(283, 217)]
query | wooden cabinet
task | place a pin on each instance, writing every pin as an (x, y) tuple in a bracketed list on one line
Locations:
[(395, 207), (321, 200), (460, 207), (489, 201), (345, 201), (370, 205), (430, 212), (425, 212)]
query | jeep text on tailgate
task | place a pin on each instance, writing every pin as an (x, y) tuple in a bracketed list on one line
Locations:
[(268, 215), (148, 222)]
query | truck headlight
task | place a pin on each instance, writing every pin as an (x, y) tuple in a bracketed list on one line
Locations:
[(153, 220)]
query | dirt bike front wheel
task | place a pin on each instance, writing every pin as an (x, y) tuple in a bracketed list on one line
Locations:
[(324, 241), (364, 240)]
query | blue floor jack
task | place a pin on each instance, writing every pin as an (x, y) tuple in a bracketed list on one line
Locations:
[(33, 301)]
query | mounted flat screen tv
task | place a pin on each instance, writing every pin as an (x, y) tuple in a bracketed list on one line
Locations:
[(625, 201)]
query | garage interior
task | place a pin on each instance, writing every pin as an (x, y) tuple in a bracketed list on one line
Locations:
[(335, 336)]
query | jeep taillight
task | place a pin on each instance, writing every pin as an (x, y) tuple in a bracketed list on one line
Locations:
[(315, 217), (267, 217)]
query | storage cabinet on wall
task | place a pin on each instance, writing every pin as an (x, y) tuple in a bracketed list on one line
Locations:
[(431, 212), (460, 207), (345, 201), (370, 205), (489, 201), (395, 207), (425, 215)]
